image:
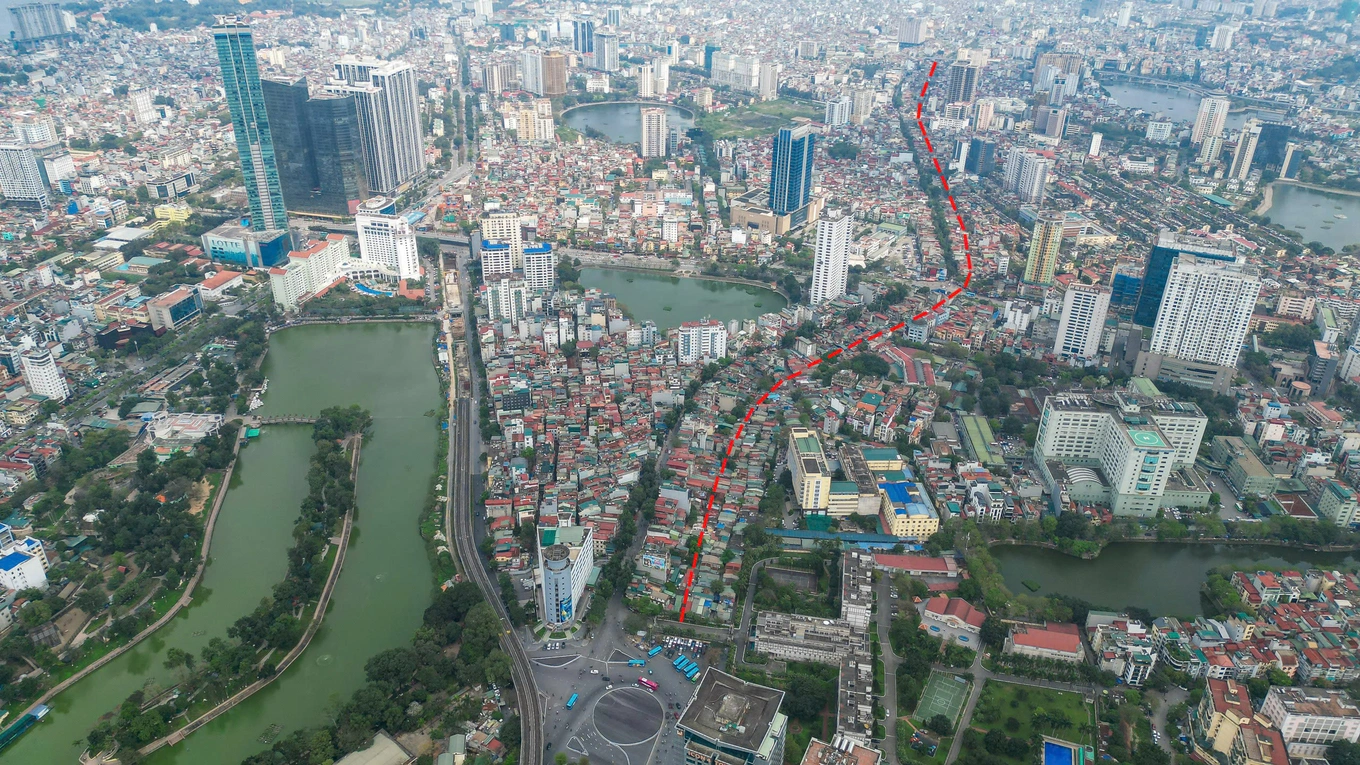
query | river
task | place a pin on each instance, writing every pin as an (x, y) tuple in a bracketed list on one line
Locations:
[(670, 300), (622, 122), (1333, 219), (1162, 577), (383, 588)]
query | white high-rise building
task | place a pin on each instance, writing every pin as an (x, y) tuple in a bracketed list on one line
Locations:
[(1211, 118), (1210, 150), (507, 299), (1096, 140), (143, 108), (308, 271), (387, 240), (482, 9), (702, 341), (502, 244), (838, 111), (1125, 13), (914, 31), (1206, 310), (1246, 150), (663, 76), (565, 561), (1083, 319), (388, 103), (1026, 175), (1309, 719), (831, 263), (21, 177), (531, 71), (654, 133), (43, 375), (35, 130), (540, 269), (646, 81), (1223, 35), (607, 50), (26, 564)]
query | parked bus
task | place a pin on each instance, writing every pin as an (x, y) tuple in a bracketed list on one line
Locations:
[(693, 675), (571, 702), (648, 684), (655, 650), (678, 661), (636, 662), (687, 666), (683, 666)]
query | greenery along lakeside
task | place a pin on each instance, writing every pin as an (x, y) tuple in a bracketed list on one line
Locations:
[(153, 537), (260, 638)]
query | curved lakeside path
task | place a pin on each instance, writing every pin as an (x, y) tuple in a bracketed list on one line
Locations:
[(183, 601), (317, 616)]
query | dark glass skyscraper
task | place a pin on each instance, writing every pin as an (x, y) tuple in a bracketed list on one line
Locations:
[(981, 157), (1163, 256), (316, 144), (1270, 147), (791, 170), (250, 122)]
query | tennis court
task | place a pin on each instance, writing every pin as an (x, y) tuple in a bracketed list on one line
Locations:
[(944, 695)]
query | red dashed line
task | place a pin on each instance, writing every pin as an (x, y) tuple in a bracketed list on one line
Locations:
[(967, 277)]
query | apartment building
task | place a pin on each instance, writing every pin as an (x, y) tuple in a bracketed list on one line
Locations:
[(1311, 718), (807, 463)]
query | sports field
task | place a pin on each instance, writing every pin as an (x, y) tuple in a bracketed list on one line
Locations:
[(944, 695)]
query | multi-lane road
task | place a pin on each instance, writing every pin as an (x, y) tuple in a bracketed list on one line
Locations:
[(458, 526)]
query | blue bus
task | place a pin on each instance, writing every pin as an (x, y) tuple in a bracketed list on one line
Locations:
[(678, 661), (687, 666), (693, 675), (636, 662), (683, 666), (656, 650), (571, 702)]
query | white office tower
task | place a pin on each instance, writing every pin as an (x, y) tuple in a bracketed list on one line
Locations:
[(654, 133), (838, 111), (914, 31), (502, 244), (1083, 319), (1223, 35), (1206, 309), (387, 240), (531, 71), (1096, 139), (1211, 118), (507, 299), (646, 81), (540, 269), (769, 81), (863, 105), (1246, 150), (43, 375), (1125, 13), (565, 562), (832, 258), (1210, 150), (662, 83), (388, 103), (21, 178), (962, 84), (607, 50), (1027, 175), (143, 108), (702, 341), (482, 9), (35, 130)]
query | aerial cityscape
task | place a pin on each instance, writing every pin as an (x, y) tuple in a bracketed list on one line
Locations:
[(679, 383)]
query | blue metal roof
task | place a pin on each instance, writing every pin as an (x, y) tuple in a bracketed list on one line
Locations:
[(12, 561)]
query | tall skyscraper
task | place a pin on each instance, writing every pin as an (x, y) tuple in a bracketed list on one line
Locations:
[(646, 81), (831, 264), (862, 105), (607, 50), (914, 31), (502, 244), (21, 177), (654, 133), (838, 111), (37, 131), (663, 76), (1169, 245), (981, 157), (1027, 175), (1271, 146), (963, 77), (40, 21), (142, 103), (386, 239), (583, 39), (791, 170), (531, 71), (702, 341), (1083, 318), (317, 147), (250, 122), (1206, 310), (1246, 150), (388, 104), (1044, 242), (1209, 121), (554, 74)]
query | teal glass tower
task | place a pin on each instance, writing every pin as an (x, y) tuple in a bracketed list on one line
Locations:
[(791, 171), (254, 144)]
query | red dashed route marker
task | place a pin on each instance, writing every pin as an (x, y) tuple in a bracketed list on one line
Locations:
[(968, 276)]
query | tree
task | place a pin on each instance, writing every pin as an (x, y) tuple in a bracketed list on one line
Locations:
[(993, 632), (1343, 753), (940, 724)]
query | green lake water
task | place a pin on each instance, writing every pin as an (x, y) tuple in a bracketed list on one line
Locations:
[(671, 300), (384, 586)]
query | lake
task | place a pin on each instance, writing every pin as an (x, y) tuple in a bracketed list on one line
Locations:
[(1162, 577), (1333, 219), (671, 300), (1177, 105), (622, 122)]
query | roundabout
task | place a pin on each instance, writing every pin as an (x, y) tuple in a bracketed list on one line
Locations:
[(626, 717)]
